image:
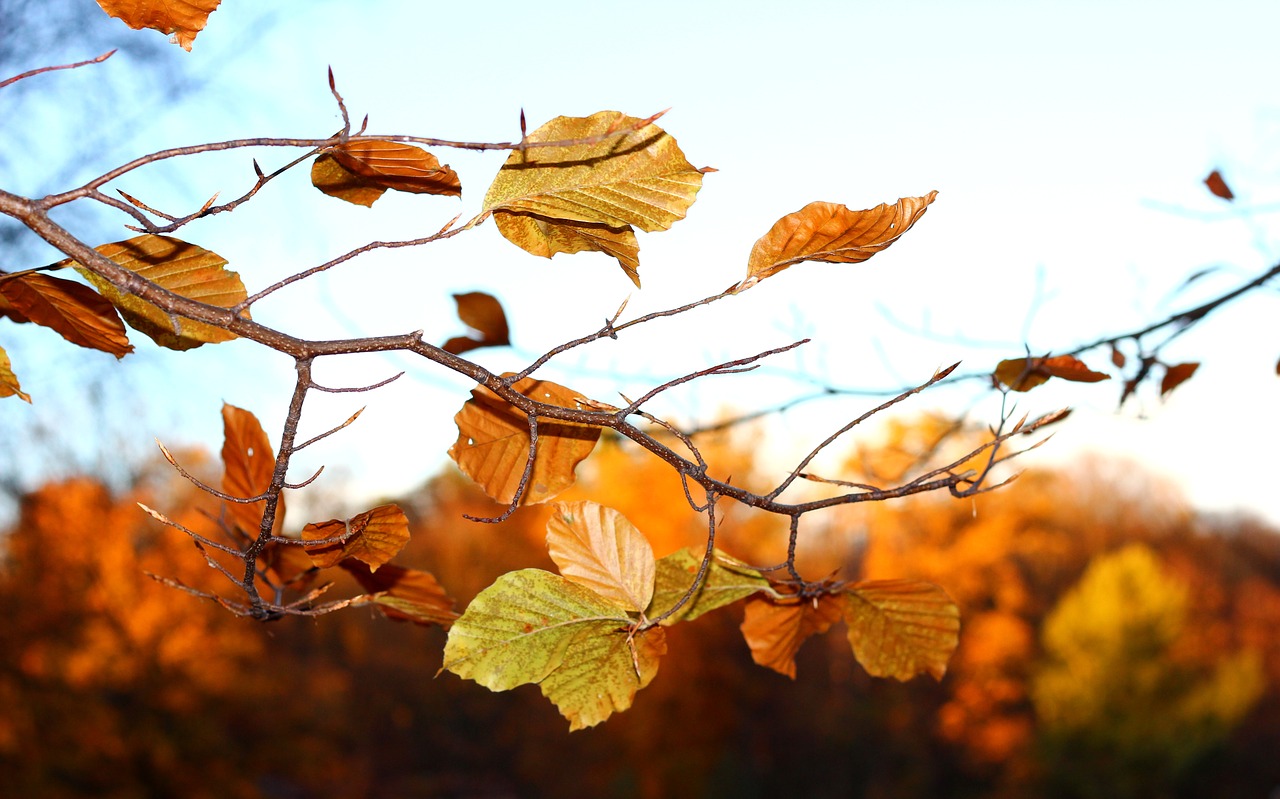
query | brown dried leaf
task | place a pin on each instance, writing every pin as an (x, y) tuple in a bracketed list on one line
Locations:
[(775, 630), (482, 313), (375, 537), (493, 443), (597, 547), (398, 166), (291, 567), (181, 18), (1117, 357), (901, 628), (78, 313), (185, 269), (1024, 374), (404, 594), (249, 463), (9, 386), (832, 233), (545, 237), (335, 180), (1176, 375), (1218, 186), (8, 311)]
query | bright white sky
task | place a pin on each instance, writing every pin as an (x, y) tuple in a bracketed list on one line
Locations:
[(1067, 143)]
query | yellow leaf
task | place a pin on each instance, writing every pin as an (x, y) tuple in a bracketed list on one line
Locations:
[(901, 628), (493, 443), (726, 582), (249, 463), (9, 386), (185, 269), (375, 537), (181, 18), (832, 233), (596, 547), (78, 313), (775, 630), (589, 196)]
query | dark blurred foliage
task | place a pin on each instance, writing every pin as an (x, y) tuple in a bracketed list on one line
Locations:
[(113, 685)]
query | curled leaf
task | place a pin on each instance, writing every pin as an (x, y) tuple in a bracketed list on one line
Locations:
[(1176, 375), (374, 537), (185, 269), (493, 443), (361, 171), (78, 313), (482, 313), (9, 386), (832, 233), (901, 628), (404, 594), (1024, 374), (596, 547)]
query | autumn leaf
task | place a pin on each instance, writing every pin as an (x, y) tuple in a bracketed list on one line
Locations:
[(482, 313), (493, 443), (78, 313), (596, 547), (1176, 375), (532, 626), (181, 18), (591, 196), (1218, 186), (185, 269), (375, 537), (775, 630), (9, 386), (726, 582), (901, 628), (404, 594), (1024, 374), (831, 233), (361, 171), (248, 463), (288, 564)]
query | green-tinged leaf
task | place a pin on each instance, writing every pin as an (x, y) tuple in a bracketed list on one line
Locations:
[(185, 269), (78, 313), (9, 386), (375, 537), (901, 628), (726, 582), (590, 195), (596, 547), (517, 630), (832, 233), (601, 671)]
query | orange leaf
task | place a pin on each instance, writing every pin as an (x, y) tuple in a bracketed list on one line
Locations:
[(493, 443), (374, 537), (901, 628), (398, 166), (1024, 374), (1176, 375), (181, 18), (78, 313), (1217, 186), (598, 548), (405, 594), (832, 233), (482, 313), (335, 180), (9, 385), (1117, 357), (546, 237), (185, 269), (775, 630), (249, 463), (290, 565)]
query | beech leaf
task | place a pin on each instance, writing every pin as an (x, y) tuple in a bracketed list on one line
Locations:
[(1176, 375), (248, 463), (181, 18), (590, 196), (1024, 374), (375, 537), (493, 443), (901, 628), (76, 312), (9, 386), (1218, 186), (532, 626), (598, 548), (404, 594), (185, 269), (775, 630), (726, 582), (359, 172), (832, 233), (482, 313)]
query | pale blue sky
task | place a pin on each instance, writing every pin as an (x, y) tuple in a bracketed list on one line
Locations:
[(1067, 142)]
